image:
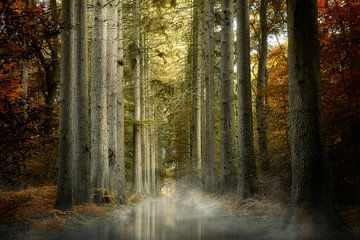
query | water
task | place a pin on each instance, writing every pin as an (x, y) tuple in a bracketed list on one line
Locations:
[(172, 219)]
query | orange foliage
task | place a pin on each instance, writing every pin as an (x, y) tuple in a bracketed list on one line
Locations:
[(21, 206), (339, 32)]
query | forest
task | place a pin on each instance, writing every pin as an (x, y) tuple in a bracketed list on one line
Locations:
[(180, 119)]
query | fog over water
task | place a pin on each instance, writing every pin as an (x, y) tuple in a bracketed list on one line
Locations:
[(181, 217)]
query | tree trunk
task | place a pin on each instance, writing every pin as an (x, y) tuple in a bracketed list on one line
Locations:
[(246, 145), (310, 205), (112, 95), (135, 66), (82, 143), (209, 86), (260, 92), (153, 154), (199, 87), (51, 71), (120, 109), (64, 198), (228, 181), (99, 131), (196, 95)]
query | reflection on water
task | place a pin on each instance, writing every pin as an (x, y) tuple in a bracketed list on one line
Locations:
[(167, 219)]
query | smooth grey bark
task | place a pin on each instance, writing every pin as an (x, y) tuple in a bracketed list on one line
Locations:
[(245, 123), (120, 108), (64, 198), (310, 196), (210, 181), (135, 68), (112, 96), (228, 173), (260, 92), (81, 184), (99, 131)]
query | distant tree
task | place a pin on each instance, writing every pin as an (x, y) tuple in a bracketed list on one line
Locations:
[(210, 181), (196, 146), (260, 91), (135, 68)]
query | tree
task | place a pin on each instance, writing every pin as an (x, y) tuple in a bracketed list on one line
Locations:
[(120, 108), (112, 77), (246, 147), (196, 146), (64, 197), (99, 131), (226, 89), (81, 102), (260, 91), (51, 68), (310, 196), (135, 68), (210, 96)]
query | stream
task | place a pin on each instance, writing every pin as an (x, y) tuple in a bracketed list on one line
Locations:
[(171, 219)]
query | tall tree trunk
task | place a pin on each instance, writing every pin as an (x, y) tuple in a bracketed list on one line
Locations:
[(199, 88), (82, 143), (228, 174), (209, 86), (99, 131), (153, 154), (120, 109), (51, 71), (310, 197), (196, 94), (112, 95), (64, 198), (246, 145), (147, 115), (260, 92), (144, 106), (135, 66)]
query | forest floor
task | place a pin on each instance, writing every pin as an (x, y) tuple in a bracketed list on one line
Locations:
[(26, 213), (31, 211)]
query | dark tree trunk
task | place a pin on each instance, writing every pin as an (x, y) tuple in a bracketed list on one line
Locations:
[(260, 95), (81, 184), (64, 198), (310, 211), (246, 144), (228, 173), (51, 74)]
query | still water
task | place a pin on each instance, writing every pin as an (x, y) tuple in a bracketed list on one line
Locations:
[(167, 219)]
